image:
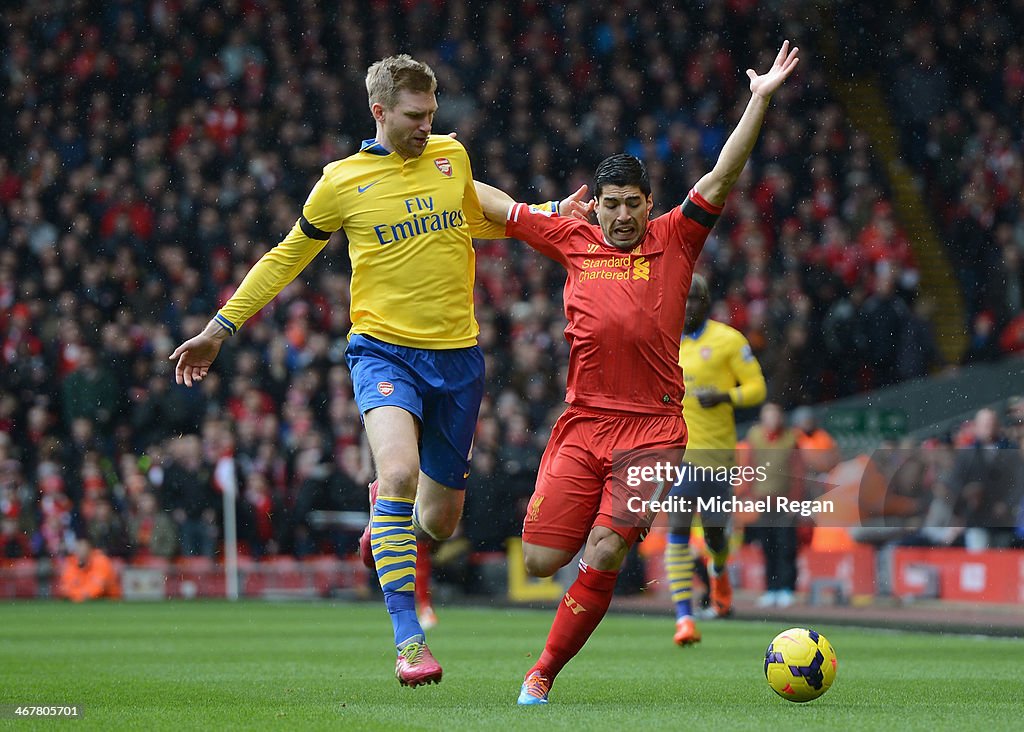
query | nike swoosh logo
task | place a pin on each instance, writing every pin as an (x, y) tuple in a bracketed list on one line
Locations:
[(363, 189)]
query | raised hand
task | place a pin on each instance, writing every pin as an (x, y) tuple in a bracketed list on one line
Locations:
[(764, 85), (575, 206)]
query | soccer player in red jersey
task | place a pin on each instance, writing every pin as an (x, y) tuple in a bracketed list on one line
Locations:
[(625, 297)]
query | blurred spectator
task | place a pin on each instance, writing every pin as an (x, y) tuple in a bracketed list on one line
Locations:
[(985, 484), (771, 444), (106, 530), (13, 542), (939, 526), (188, 492), (847, 337), (151, 532), (88, 574), (917, 352), (91, 391), (818, 451), (259, 510), (983, 345), (886, 315), (791, 371)]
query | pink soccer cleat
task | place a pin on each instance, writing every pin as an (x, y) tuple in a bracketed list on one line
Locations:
[(416, 665)]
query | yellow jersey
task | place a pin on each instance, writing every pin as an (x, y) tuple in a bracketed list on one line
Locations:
[(410, 226), (717, 356)]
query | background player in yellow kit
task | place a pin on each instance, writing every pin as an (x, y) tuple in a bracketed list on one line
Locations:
[(408, 206), (720, 373)]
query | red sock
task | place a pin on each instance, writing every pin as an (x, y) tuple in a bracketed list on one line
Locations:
[(577, 617), (424, 567)]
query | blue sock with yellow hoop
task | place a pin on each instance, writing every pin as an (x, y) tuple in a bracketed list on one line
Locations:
[(394, 554), (679, 570)]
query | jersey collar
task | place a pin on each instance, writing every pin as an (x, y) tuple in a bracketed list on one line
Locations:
[(697, 334), (373, 147)]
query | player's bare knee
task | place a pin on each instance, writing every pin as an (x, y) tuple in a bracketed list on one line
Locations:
[(439, 519), (544, 562), (438, 526), (606, 552), (398, 479), (443, 532), (536, 567)]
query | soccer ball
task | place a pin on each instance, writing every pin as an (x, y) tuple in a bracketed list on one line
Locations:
[(800, 664)]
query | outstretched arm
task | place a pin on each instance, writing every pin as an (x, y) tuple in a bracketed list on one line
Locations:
[(274, 270), (496, 203), (715, 185)]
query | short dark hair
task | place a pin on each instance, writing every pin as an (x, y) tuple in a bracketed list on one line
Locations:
[(621, 170)]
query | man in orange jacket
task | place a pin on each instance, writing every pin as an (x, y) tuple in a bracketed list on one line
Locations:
[(87, 574)]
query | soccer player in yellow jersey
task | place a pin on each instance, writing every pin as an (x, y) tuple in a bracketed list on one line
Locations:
[(409, 208), (720, 373)]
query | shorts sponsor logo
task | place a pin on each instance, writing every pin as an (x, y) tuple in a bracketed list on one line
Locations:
[(386, 388), (533, 513), (444, 166)]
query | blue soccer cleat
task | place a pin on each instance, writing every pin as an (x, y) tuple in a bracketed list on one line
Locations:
[(535, 689)]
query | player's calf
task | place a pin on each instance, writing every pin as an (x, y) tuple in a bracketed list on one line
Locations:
[(543, 561), (721, 592)]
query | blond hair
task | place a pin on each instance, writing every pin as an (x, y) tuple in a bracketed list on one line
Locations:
[(389, 76)]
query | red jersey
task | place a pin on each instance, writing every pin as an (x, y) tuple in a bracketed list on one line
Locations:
[(625, 308)]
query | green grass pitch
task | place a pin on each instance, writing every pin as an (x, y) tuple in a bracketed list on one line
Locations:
[(250, 665)]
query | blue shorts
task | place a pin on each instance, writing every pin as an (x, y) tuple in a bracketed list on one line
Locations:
[(442, 389)]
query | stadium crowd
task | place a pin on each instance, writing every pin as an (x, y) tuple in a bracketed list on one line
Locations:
[(153, 149), (960, 113)]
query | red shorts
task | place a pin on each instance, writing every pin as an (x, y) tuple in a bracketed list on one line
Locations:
[(578, 484)]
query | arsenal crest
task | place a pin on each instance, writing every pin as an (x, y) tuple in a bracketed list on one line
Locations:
[(386, 388), (444, 166)]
